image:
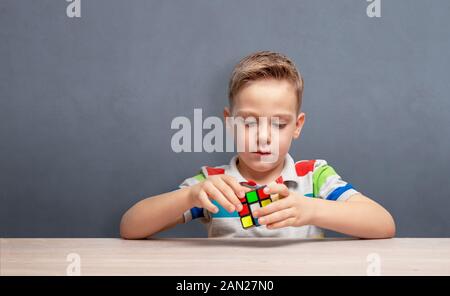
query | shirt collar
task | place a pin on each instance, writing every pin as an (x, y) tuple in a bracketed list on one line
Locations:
[(288, 174)]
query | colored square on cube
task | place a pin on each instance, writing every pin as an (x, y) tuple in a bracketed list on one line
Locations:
[(265, 202), (252, 196), (275, 197), (255, 221), (245, 210), (253, 208), (253, 200), (261, 194), (247, 221)]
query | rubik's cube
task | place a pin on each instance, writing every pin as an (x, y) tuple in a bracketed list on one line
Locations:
[(252, 201)]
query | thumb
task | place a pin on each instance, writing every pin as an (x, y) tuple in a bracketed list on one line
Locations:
[(276, 188)]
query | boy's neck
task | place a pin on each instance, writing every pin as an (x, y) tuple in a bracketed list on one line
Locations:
[(261, 178)]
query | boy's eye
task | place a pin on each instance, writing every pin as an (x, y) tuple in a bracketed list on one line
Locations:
[(250, 122), (279, 125)]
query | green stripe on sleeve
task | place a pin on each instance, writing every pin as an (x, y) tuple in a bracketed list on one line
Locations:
[(200, 177), (320, 176)]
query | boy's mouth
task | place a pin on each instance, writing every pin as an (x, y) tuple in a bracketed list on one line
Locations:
[(261, 153)]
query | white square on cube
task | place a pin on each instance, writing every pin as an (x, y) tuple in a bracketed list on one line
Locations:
[(254, 207)]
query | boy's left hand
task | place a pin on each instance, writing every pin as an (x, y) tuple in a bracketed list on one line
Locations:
[(292, 209)]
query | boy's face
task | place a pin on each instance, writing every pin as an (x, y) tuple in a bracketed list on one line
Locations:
[(275, 102)]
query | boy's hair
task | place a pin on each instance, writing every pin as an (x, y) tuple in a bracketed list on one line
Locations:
[(265, 65)]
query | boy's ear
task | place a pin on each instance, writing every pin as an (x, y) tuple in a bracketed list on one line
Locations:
[(226, 112), (299, 124), (227, 116)]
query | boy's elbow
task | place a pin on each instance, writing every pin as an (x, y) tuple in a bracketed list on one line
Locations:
[(386, 225), (129, 231), (389, 229), (382, 229), (127, 234), (126, 231), (124, 234)]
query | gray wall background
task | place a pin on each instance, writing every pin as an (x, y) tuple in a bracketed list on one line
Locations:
[(86, 104)]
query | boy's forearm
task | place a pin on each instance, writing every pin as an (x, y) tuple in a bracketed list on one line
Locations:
[(356, 217), (154, 214)]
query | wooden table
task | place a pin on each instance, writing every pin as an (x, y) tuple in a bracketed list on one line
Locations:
[(255, 256)]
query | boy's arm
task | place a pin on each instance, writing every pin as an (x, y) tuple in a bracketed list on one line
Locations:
[(163, 211), (155, 214), (359, 216)]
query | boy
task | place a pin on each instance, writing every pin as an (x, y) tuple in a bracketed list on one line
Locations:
[(311, 195)]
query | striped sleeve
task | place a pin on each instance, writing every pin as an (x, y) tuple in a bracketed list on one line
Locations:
[(327, 184), (195, 213)]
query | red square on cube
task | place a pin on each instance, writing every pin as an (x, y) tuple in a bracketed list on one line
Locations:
[(261, 194), (245, 211)]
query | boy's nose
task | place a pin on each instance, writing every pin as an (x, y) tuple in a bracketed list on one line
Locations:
[(264, 133)]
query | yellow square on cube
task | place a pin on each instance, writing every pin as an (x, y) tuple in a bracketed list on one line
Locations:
[(247, 221), (265, 202), (275, 196)]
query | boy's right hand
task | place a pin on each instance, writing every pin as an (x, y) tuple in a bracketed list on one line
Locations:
[(222, 188)]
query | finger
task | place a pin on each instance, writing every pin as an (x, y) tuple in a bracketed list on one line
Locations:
[(237, 188), (277, 188), (273, 207), (276, 217), (229, 193), (280, 224), (217, 195), (206, 202)]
